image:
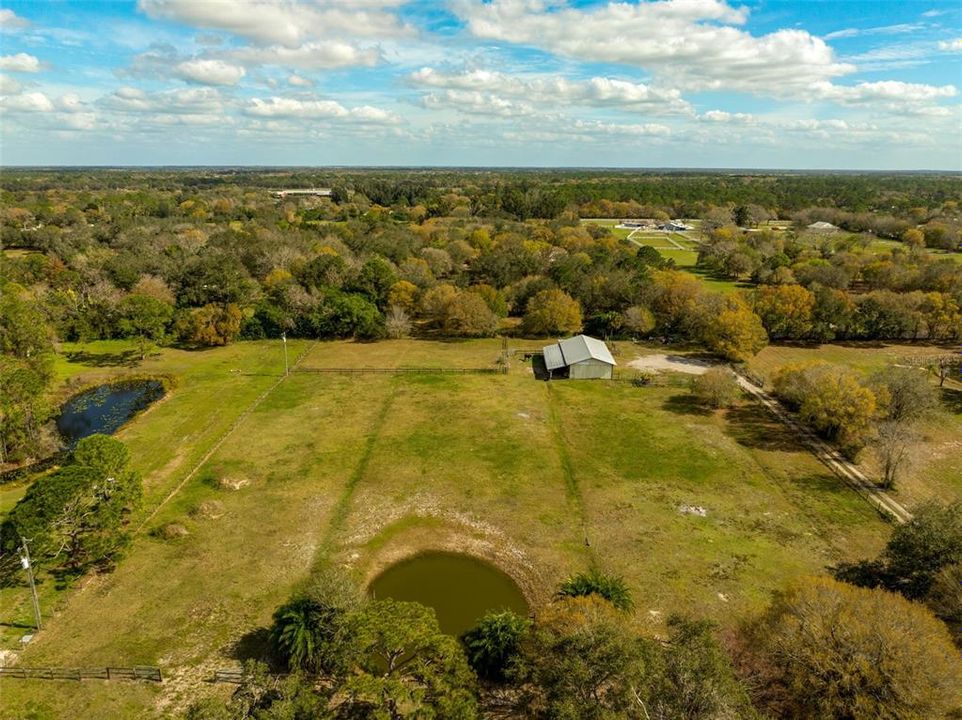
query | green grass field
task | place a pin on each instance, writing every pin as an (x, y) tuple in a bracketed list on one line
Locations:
[(366, 469), (685, 257)]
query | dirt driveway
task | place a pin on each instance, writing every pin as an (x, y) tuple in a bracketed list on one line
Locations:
[(675, 363)]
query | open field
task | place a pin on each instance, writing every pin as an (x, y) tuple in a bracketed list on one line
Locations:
[(367, 469), (682, 247)]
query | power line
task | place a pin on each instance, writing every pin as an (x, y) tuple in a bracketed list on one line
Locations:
[(28, 566)]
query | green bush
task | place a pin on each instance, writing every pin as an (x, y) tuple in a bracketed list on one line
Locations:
[(493, 645), (594, 582)]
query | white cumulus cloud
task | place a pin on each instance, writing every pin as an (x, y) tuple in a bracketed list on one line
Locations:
[(282, 107), (28, 102), (9, 86), (210, 72), (552, 90), (894, 95), (721, 116), (318, 55), (9, 20), (299, 81), (284, 22), (951, 45), (189, 101), (696, 43), (21, 62), (475, 102)]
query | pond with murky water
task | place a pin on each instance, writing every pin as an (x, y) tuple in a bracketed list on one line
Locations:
[(105, 408), (460, 588)]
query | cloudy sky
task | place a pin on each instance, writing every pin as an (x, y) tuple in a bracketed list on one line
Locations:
[(860, 84)]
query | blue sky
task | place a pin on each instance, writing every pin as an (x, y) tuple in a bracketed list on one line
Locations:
[(670, 83)]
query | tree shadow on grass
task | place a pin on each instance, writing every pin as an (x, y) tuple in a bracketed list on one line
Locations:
[(685, 405), (18, 625), (707, 274), (821, 484), (753, 426), (65, 577), (952, 400), (127, 358), (256, 645)]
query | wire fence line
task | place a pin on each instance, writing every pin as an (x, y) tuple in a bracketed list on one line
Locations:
[(137, 672), (220, 441), (503, 370)]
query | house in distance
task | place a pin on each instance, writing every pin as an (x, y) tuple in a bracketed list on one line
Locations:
[(580, 357)]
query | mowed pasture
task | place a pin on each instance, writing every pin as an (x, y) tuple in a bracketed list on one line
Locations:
[(543, 479), (681, 247)]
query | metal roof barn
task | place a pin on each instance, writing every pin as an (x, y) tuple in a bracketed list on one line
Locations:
[(579, 357)]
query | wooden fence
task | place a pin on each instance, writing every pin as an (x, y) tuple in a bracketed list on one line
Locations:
[(228, 676), (138, 672)]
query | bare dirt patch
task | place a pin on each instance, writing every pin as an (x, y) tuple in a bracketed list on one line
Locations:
[(422, 526), (233, 483), (672, 363), (209, 509)]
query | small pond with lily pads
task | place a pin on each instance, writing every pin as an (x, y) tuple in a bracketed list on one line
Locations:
[(105, 408)]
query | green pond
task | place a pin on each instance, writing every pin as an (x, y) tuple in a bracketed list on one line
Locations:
[(460, 588)]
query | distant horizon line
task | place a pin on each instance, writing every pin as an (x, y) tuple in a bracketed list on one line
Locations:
[(516, 168)]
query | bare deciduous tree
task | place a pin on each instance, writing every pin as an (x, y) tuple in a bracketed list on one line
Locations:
[(892, 448), (397, 323)]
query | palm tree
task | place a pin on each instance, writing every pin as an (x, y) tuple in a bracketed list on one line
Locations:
[(493, 645), (612, 588), (300, 630)]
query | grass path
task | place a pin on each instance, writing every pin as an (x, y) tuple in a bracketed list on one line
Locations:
[(572, 490), (340, 512), (223, 438)]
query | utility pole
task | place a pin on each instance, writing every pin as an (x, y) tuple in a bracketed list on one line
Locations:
[(28, 566), (286, 368)]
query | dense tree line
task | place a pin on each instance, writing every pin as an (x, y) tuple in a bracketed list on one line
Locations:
[(205, 258), (26, 372), (537, 193), (818, 651), (827, 288), (220, 268)]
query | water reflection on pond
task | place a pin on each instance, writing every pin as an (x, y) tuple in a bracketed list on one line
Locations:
[(460, 588), (105, 408)]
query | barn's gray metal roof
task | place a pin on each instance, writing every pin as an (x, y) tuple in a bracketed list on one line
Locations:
[(553, 359), (574, 350)]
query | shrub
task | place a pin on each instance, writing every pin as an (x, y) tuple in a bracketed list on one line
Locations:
[(397, 324), (717, 388), (594, 582), (905, 394), (914, 555), (695, 679), (493, 645), (304, 634)]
